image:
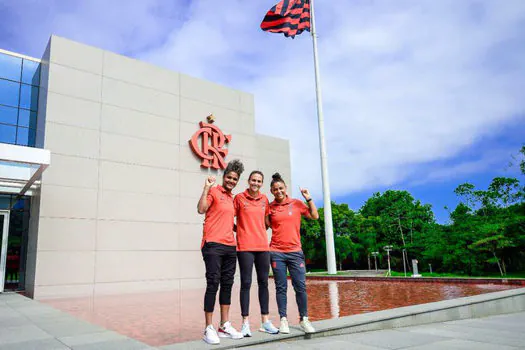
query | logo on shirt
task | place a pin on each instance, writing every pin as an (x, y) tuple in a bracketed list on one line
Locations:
[(210, 148), (247, 204)]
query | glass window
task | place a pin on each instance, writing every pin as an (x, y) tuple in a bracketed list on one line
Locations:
[(26, 118), (25, 137), (9, 92), (29, 97), (8, 115), (7, 133), (10, 67), (18, 100), (5, 201), (31, 72)]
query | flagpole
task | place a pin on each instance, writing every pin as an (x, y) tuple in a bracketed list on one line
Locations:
[(328, 225)]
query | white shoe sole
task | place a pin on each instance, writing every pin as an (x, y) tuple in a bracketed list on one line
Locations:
[(284, 331), (265, 331), (224, 335), (210, 342), (307, 331)]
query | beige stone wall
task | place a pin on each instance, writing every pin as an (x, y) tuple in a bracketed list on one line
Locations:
[(117, 208), (273, 155)]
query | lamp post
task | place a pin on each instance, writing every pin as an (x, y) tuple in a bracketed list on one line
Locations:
[(404, 264), (388, 248), (375, 254)]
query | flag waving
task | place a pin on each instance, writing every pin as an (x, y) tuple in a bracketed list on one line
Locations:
[(290, 17)]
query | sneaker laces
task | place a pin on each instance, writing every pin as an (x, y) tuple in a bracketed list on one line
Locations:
[(227, 326)]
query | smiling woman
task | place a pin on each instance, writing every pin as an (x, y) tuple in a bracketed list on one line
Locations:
[(284, 217), (219, 249), (251, 207)]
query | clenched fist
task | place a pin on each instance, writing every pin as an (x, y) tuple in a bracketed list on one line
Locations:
[(210, 181)]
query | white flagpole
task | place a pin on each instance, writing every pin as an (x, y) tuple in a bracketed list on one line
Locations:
[(328, 225)]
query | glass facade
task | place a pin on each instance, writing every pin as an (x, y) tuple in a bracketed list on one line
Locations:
[(19, 85), (17, 240), (19, 88)]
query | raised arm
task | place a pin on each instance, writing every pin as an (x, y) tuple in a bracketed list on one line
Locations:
[(203, 205), (311, 205)]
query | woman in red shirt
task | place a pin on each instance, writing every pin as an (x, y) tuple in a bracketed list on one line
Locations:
[(251, 207), (286, 252), (219, 249)]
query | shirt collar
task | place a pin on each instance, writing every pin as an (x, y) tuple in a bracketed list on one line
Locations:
[(223, 190), (286, 201), (248, 196)]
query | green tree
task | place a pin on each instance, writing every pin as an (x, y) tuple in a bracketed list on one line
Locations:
[(494, 243), (486, 226), (402, 218), (313, 235), (343, 247)]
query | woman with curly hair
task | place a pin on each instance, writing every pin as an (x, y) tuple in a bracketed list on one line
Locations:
[(219, 249)]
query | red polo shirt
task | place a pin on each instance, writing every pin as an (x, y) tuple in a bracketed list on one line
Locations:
[(251, 229), (285, 218), (218, 222)]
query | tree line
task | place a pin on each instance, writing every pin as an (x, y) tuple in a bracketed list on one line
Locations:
[(486, 232)]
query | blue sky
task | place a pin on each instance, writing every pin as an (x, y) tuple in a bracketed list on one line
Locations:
[(420, 95)]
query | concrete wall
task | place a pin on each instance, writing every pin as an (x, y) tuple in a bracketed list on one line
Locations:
[(273, 155), (117, 210)]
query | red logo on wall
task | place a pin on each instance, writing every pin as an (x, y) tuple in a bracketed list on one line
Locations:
[(210, 149)]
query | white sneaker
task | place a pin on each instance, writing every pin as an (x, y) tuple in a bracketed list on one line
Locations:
[(245, 330), (284, 326), (307, 326), (211, 336), (227, 331)]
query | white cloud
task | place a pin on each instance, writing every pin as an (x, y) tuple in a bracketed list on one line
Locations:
[(491, 159), (405, 83)]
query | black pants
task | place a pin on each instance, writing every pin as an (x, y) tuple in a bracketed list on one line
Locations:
[(221, 262), (262, 268)]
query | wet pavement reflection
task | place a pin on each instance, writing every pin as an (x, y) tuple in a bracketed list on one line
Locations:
[(162, 318)]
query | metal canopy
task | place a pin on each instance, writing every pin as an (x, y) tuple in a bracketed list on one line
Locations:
[(21, 167)]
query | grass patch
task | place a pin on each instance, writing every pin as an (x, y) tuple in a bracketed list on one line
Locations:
[(321, 272), (456, 275)]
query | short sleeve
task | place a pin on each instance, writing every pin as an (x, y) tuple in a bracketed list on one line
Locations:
[(304, 210), (236, 205), (210, 196), (267, 206)]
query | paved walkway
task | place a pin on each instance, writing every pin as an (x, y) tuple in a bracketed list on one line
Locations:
[(26, 324), (502, 332)]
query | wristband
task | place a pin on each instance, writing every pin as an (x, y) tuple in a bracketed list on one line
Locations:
[(308, 200)]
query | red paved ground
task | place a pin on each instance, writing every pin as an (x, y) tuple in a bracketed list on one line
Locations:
[(170, 317)]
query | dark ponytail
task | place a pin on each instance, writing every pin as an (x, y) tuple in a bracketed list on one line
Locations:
[(277, 178)]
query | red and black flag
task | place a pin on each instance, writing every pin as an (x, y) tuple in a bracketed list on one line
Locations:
[(290, 17)]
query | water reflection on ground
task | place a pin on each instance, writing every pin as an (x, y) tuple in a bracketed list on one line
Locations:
[(168, 317)]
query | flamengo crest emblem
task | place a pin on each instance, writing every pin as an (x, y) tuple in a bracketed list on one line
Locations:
[(210, 149)]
